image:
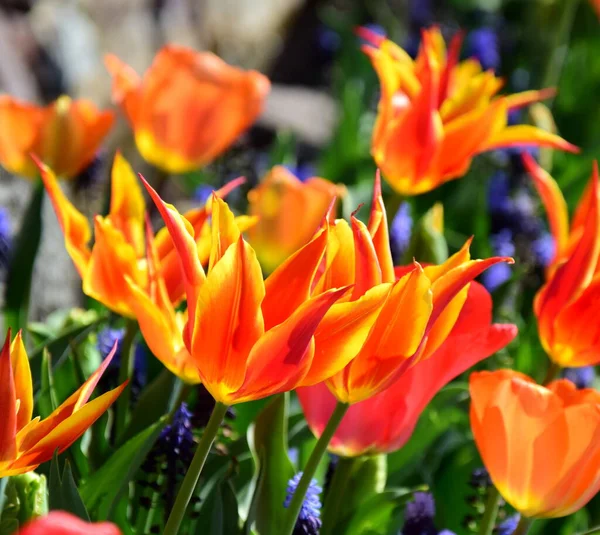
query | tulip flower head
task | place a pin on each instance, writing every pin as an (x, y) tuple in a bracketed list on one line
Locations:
[(62, 523), (393, 317), (289, 211), (27, 443), (64, 135), (127, 268), (568, 304), (436, 113), (541, 445), (189, 106), (384, 422), (248, 337)]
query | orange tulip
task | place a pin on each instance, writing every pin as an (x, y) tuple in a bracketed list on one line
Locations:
[(394, 317), (61, 523), (127, 269), (289, 211), (436, 113), (248, 337), (65, 135), (27, 443), (385, 422), (568, 304), (540, 445), (188, 108)]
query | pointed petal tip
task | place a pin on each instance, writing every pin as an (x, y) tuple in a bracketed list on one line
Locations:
[(373, 38)]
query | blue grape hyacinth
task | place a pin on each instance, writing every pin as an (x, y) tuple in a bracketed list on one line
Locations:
[(309, 521)]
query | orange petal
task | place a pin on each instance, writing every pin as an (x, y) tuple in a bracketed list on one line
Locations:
[(343, 331), (182, 235), (367, 272), (127, 205), (74, 224), (224, 230), (297, 272), (378, 228), (527, 135), (22, 380), (125, 87), (228, 320), (8, 400), (554, 202), (112, 260), (518, 100), (282, 357)]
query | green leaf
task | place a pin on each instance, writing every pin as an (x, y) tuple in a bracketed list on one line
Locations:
[(20, 271), (267, 438), (101, 492), (63, 493), (47, 401), (376, 515), (427, 243), (3, 483), (225, 515), (152, 404)]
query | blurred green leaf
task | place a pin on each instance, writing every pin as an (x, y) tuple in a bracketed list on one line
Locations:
[(63, 493), (101, 492), (376, 515), (225, 516), (427, 243), (267, 438), (18, 281), (47, 401)]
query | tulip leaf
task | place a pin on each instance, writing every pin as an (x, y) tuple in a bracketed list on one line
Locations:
[(267, 438), (20, 271), (103, 489), (47, 401), (377, 515), (62, 491), (225, 515), (152, 404)]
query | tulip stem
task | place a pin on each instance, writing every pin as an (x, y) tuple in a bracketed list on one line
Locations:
[(492, 505), (523, 526), (552, 373), (190, 480), (311, 467), (125, 373), (336, 495)]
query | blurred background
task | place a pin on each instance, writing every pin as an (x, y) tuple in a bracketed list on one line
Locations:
[(318, 121)]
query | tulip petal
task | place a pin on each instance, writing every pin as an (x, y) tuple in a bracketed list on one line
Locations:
[(125, 87), (74, 224), (297, 272), (127, 205), (282, 357), (518, 100), (8, 401), (61, 523), (527, 135), (228, 320), (224, 230), (367, 272), (553, 200), (378, 229), (22, 381)]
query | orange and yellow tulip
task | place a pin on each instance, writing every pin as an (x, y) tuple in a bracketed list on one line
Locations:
[(64, 135), (289, 213), (568, 304), (540, 445), (394, 317), (249, 338), (189, 106), (385, 422), (127, 269), (62, 523), (27, 443), (436, 113)]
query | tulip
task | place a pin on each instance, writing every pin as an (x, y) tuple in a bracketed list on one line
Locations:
[(568, 304), (64, 135), (394, 317), (62, 523), (436, 113), (249, 338), (27, 443), (385, 422), (289, 211), (540, 445), (189, 106)]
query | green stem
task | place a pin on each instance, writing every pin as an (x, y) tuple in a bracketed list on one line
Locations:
[(311, 467), (190, 480), (552, 372), (336, 495), (560, 45), (492, 505), (523, 526), (125, 373)]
